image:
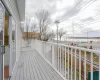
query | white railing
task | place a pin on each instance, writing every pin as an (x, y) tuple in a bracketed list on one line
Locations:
[(84, 40), (72, 63)]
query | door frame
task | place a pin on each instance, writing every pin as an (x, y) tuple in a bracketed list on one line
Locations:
[(2, 52), (10, 45)]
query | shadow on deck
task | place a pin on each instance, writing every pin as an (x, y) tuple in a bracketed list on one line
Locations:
[(31, 66)]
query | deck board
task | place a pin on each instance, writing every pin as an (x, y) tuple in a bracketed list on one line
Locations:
[(31, 66)]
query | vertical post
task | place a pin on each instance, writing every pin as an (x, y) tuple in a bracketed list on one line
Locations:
[(10, 41), (91, 66), (68, 62), (65, 62), (85, 66), (60, 58), (53, 64), (57, 33), (71, 64), (57, 22), (79, 64), (44, 50), (75, 63), (99, 66)]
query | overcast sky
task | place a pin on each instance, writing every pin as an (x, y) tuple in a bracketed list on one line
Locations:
[(78, 13)]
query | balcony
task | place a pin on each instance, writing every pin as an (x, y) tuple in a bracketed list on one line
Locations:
[(32, 66), (52, 61)]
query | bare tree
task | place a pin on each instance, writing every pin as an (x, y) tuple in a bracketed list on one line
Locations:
[(44, 19), (52, 35), (27, 28), (61, 33), (49, 35), (33, 29)]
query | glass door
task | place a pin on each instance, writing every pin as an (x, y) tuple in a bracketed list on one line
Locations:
[(7, 45), (2, 14)]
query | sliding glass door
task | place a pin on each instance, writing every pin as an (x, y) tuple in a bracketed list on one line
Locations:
[(2, 16), (7, 43)]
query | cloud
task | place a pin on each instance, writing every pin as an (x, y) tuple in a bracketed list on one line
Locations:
[(33, 6), (59, 10)]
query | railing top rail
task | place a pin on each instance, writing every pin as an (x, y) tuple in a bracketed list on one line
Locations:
[(74, 47)]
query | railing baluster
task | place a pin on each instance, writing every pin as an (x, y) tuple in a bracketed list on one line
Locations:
[(85, 65), (79, 64), (65, 62), (60, 58), (53, 63), (71, 64), (99, 66), (75, 62), (45, 52), (68, 62), (91, 66)]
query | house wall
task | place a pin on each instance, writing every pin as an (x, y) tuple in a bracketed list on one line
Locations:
[(11, 6)]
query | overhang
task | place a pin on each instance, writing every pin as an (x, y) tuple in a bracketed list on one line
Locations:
[(21, 9)]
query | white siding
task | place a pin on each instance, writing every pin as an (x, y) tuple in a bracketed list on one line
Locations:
[(12, 8)]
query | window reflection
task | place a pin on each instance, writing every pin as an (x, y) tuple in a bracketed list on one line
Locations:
[(13, 42), (1, 23), (6, 35), (13, 29), (6, 43), (1, 40)]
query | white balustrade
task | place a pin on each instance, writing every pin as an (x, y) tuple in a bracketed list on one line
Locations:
[(71, 62)]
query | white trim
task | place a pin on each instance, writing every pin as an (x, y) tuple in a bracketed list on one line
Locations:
[(3, 39), (3, 44), (10, 45)]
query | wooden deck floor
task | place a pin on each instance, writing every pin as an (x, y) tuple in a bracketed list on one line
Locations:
[(31, 66)]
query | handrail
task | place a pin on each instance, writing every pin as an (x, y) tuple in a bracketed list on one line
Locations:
[(75, 47)]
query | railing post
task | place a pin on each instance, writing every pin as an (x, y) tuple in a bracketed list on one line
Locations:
[(45, 50), (75, 62), (85, 65), (53, 54), (68, 62), (71, 63), (65, 62), (79, 64), (91, 66), (60, 58), (99, 66), (42, 48)]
